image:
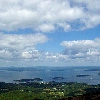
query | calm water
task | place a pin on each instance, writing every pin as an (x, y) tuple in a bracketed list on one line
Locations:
[(47, 73)]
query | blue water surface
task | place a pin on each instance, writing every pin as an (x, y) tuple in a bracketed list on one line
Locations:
[(48, 73)]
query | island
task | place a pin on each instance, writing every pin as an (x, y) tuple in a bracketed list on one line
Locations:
[(58, 78), (29, 80), (98, 73), (81, 75), (92, 70)]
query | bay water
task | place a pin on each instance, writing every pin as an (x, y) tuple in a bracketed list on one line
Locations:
[(69, 74)]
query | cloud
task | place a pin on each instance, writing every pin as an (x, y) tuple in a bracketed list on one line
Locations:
[(46, 28), (44, 16), (20, 46), (92, 11), (49, 15), (93, 5), (21, 49), (82, 49)]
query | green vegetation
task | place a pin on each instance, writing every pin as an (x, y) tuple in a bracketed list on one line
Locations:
[(43, 91)]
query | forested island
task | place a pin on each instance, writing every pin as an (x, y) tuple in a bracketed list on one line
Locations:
[(47, 91), (81, 75), (29, 80)]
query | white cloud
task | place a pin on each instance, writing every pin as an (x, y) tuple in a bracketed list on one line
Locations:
[(21, 49), (45, 15), (5, 54), (26, 54), (19, 46), (46, 28), (82, 49), (93, 5), (93, 53)]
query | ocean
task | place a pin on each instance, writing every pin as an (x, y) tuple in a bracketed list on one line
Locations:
[(80, 74)]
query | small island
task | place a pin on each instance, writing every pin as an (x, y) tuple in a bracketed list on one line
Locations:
[(81, 75), (92, 70), (58, 78), (98, 73), (29, 80)]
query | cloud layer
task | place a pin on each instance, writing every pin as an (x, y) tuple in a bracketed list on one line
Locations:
[(20, 46), (82, 50), (44, 16), (49, 15)]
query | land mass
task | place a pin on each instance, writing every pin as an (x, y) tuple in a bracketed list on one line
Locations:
[(48, 91), (81, 75)]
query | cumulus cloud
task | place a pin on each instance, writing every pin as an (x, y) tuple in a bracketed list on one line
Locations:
[(18, 46), (44, 16), (45, 28), (82, 49), (48, 15), (21, 48)]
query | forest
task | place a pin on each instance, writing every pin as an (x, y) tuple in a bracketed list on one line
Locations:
[(46, 90)]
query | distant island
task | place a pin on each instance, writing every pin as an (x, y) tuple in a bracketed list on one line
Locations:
[(58, 78), (92, 70), (81, 75), (98, 73), (29, 80)]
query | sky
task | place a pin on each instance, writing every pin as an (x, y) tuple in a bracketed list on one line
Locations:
[(49, 33)]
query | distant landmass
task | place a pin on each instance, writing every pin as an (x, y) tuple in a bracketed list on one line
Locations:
[(92, 70), (58, 78), (29, 80), (81, 75)]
